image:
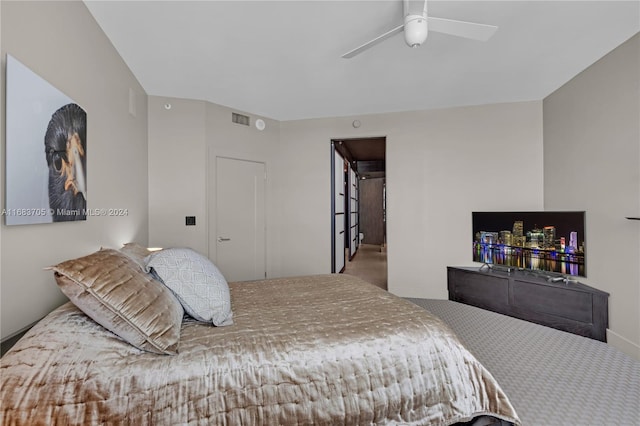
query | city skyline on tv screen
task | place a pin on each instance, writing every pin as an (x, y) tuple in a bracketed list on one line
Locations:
[(545, 241)]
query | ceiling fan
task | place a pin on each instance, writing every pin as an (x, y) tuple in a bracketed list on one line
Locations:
[(417, 24)]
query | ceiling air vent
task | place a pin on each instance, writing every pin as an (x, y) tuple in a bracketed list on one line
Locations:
[(240, 119)]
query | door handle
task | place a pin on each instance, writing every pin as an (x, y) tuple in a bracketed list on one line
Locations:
[(221, 239)]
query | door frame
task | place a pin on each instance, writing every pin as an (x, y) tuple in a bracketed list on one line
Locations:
[(371, 165)]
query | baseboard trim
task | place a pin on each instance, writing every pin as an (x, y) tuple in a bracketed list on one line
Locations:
[(623, 344)]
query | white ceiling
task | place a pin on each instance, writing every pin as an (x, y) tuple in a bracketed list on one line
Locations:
[(281, 59)]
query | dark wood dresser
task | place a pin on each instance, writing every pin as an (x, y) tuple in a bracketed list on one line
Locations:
[(568, 306)]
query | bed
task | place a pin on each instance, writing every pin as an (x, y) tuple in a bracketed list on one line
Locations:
[(322, 350)]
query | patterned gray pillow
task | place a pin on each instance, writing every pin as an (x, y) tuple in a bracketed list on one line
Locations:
[(196, 282)]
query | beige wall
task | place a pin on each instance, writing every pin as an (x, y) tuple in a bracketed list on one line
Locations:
[(592, 163), (183, 141), (226, 139), (440, 166), (177, 160), (61, 42)]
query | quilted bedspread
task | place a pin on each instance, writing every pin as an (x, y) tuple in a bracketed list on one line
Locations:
[(322, 350)]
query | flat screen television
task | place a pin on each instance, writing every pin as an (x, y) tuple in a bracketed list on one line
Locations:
[(541, 241)]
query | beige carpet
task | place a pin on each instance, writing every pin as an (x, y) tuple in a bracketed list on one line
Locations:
[(369, 264)]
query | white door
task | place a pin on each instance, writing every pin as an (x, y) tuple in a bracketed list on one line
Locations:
[(240, 219)]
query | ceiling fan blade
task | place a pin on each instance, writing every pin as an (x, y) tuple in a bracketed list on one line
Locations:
[(464, 29), (371, 43)]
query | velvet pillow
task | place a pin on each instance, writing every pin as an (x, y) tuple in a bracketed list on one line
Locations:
[(136, 252), (196, 282), (111, 289)]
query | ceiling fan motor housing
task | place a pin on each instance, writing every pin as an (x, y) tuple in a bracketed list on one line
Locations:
[(415, 30)]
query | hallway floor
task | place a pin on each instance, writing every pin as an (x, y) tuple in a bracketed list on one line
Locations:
[(369, 264)]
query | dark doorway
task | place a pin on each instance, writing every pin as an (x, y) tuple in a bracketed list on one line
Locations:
[(363, 201)]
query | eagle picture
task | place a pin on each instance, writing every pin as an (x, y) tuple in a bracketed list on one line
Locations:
[(66, 152)]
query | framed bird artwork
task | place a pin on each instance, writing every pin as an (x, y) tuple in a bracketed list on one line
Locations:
[(46, 151)]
